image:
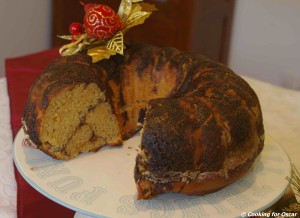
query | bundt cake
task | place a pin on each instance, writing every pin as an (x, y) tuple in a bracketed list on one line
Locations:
[(202, 123)]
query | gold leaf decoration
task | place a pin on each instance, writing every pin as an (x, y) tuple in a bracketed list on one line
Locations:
[(148, 7), (135, 8), (116, 43), (136, 18), (99, 53), (67, 37), (72, 48)]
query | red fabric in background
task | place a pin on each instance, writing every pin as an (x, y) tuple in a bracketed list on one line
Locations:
[(20, 74)]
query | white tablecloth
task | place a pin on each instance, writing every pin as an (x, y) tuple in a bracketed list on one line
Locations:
[(281, 112), (7, 180)]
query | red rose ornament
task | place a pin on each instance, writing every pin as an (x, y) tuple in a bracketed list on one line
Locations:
[(100, 21)]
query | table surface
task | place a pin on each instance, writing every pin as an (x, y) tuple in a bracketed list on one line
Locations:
[(7, 180), (281, 113)]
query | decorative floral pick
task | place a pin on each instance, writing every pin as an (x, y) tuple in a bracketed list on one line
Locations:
[(295, 183), (103, 29)]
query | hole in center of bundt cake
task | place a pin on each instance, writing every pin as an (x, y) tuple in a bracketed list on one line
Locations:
[(78, 119)]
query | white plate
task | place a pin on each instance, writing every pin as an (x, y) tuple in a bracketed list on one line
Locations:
[(101, 184)]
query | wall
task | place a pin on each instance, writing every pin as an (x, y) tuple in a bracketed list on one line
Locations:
[(265, 41), (25, 28)]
